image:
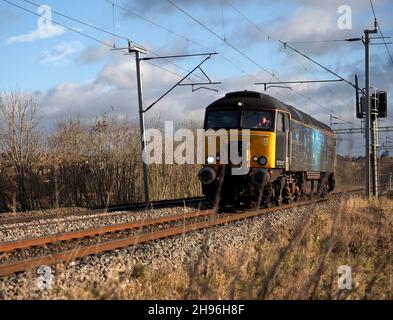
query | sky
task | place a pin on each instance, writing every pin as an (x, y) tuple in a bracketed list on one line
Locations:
[(79, 74)]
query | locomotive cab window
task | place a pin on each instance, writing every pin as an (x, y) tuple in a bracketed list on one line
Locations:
[(262, 120), (229, 119), (222, 119)]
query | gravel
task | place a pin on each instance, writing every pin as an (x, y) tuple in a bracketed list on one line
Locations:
[(52, 248), (54, 212), (175, 251), (13, 232)]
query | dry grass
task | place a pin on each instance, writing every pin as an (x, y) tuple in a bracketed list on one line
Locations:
[(298, 261), (350, 171), (90, 164)]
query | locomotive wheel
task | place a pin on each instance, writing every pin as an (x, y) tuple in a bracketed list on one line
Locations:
[(248, 203), (321, 193), (298, 194), (312, 195), (289, 200), (237, 203), (222, 205)]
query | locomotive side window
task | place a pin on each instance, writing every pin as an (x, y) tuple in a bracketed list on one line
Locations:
[(280, 122), (262, 120), (287, 126), (222, 120)]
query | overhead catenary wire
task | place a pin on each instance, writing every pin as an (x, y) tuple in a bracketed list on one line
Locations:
[(80, 21), (187, 39), (380, 31), (94, 27), (114, 34), (113, 26), (139, 16), (60, 24), (286, 43), (223, 19), (319, 64), (222, 56), (240, 52), (270, 54), (115, 4), (272, 38), (106, 44), (125, 38), (218, 36), (96, 39), (256, 26)]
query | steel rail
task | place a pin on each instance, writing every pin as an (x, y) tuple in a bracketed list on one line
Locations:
[(130, 207), (215, 220), (91, 232)]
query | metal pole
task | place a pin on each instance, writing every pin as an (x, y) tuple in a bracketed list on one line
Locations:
[(371, 126), (374, 151), (371, 163), (142, 124), (367, 111)]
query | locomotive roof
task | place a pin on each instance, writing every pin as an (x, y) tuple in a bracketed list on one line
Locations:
[(256, 100)]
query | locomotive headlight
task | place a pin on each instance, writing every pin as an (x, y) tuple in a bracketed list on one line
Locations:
[(262, 161), (211, 160), (255, 159)]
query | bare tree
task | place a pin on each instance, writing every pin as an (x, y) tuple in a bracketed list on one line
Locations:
[(19, 118)]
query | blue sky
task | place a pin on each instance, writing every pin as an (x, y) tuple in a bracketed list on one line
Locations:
[(75, 74)]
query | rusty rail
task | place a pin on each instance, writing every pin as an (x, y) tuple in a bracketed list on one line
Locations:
[(131, 207), (40, 241), (69, 255)]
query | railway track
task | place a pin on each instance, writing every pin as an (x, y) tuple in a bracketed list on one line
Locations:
[(143, 231), (197, 201)]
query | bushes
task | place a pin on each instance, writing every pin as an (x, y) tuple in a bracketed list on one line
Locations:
[(81, 163), (93, 165), (19, 147)]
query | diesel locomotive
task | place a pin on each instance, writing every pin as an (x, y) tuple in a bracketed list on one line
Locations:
[(289, 154)]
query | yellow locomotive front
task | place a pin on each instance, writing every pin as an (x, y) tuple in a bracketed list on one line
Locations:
[(240, 150)]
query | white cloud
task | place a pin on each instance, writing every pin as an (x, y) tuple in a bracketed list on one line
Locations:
[(49, 31), (59, 54), (115, 85), (93, 54)]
